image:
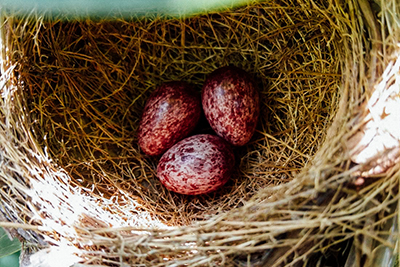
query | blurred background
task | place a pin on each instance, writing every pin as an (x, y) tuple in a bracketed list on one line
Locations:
[(9, 250)]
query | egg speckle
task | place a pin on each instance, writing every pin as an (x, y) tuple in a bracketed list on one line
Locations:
[(196, 165), (170, 114), (231, 104)]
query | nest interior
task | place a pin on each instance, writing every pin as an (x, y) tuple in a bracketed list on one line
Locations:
[(87, 84), (80, 88)]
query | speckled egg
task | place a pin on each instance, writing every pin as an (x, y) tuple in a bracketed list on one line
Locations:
[(196, 165), (170, 114), (231, 104)]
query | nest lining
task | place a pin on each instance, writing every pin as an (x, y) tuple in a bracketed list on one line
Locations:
[(81, 88), (90, 80)]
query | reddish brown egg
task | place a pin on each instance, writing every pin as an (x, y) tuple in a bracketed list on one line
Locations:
[(196, 165), (231, 104), (170, 114)]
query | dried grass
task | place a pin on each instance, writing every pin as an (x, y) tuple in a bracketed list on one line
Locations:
[(73, 177)]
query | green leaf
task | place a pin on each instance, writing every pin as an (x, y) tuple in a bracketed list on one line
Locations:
[(10, 261), (116, 8), (7, 246)]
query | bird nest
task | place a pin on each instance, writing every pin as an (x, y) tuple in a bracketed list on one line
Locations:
[(317, 184)]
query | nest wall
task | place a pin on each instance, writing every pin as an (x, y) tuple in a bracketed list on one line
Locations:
[(307, 186)]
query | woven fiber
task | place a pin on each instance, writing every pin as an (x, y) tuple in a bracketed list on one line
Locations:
[(317, 185)]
